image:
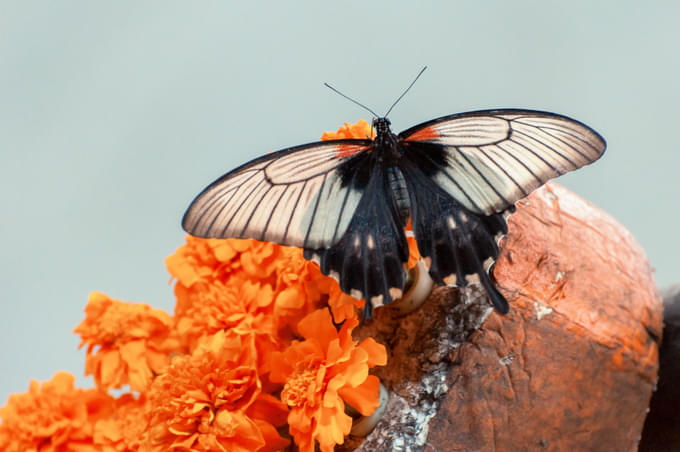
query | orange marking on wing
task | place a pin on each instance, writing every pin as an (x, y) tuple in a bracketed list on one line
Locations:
[(347, 150), (426, 134)]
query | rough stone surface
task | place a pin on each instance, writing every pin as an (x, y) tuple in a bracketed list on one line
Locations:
[(572, 367), (419, 361)]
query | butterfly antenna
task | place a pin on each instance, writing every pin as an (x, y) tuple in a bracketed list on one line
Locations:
[(406, 91), (352, 100)]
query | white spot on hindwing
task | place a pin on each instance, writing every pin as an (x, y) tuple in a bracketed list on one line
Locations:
[(316, 258), (370, 243), (335, 275), (357, 241), (395, 293), (377, 301), (472, 279), (451, 222), (356, 293)]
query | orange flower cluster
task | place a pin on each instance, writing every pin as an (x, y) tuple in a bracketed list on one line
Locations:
[(54, 416), (321, 374), (126, 343), (250, 358), (213, 400)]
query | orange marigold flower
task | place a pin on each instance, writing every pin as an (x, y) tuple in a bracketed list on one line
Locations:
[(126, 428), (323, 372), (126, 342), (300, 286), (361, 129), (212, 400), (260, 287), (202, 261), (225, 284), (238, 305), (54, 416)]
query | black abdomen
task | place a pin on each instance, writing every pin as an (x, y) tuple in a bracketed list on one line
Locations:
[(400, 193)]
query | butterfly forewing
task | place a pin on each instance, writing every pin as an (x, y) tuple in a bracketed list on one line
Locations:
[(294, 197), (488, 160)]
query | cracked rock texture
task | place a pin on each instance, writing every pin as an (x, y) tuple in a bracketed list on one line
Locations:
[(571, 367)]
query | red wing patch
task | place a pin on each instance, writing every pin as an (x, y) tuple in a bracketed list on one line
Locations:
[(348, 150), (426, 134)]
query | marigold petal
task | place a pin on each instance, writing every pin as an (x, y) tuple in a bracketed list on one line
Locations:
[(134, 355), (244, 433), (333, 425), (414, 253), (126, 428), (345, 333), (300, 421), (319, 326), (377, 353), (356, 370), (335, 352), (185, 442), (365, 397), (273, 441), (182, 269), (342, 305), (361, 129), (223, 249), (110, 369), (289, 298), (268, 408)]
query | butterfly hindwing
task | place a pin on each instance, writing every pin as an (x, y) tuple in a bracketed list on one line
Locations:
[(368, 261), (488, 160), (459, 244), (297, 197)]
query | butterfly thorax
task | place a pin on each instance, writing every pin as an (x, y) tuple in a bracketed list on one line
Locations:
[(386, 143)]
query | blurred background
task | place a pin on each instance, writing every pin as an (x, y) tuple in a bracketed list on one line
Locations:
[(113, 116)]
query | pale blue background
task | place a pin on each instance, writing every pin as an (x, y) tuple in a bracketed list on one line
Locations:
[(114, 115)]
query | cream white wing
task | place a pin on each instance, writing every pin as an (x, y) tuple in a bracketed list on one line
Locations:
[(298, 196), (488, 160)]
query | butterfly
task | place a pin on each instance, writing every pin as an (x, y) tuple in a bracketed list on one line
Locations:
[(347, 202)]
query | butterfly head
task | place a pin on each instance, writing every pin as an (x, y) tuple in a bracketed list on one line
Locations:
[(381, 126)]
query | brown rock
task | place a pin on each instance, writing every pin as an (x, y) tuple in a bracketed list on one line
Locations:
[(571, 367)]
